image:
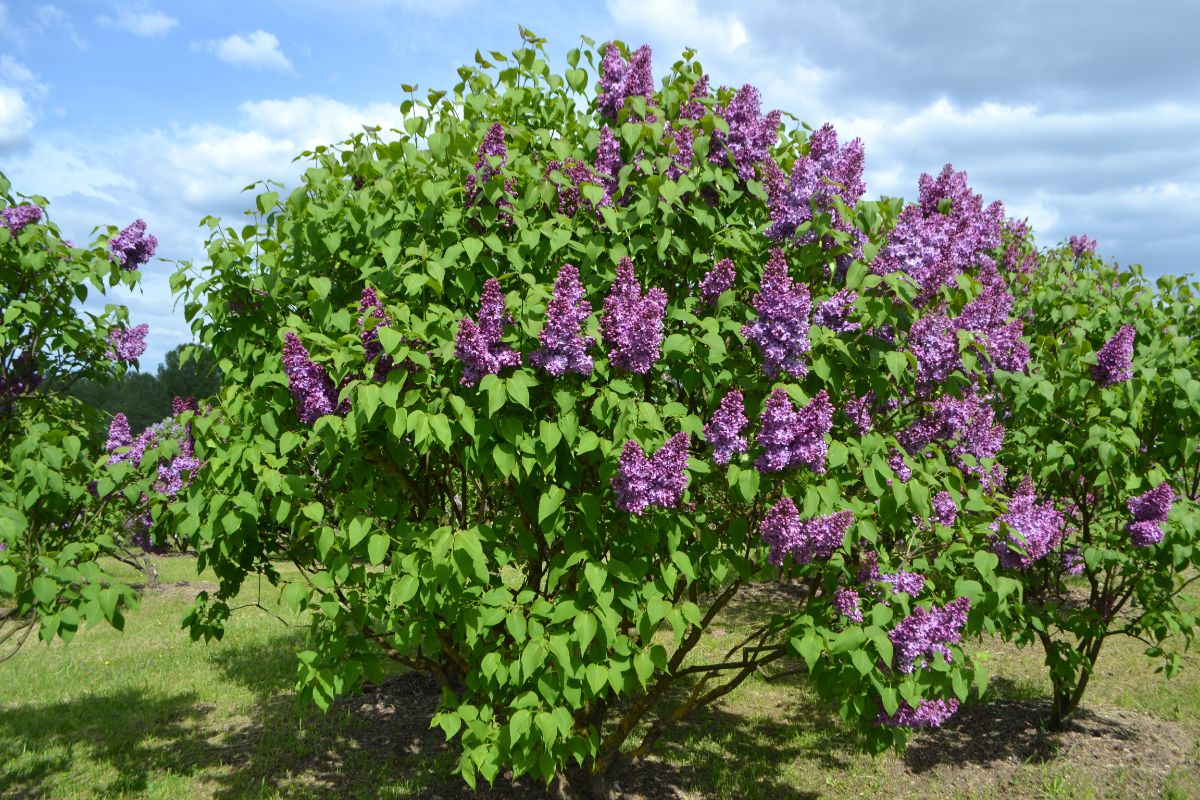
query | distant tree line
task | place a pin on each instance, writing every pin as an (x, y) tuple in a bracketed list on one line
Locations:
[(145, 398)]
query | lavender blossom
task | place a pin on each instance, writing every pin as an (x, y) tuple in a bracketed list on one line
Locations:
[(564, 348), (750, 136), (1149, 512), (785, 533), (308, 382), (724, 431), (15, 218), (1114, 361), (927, 714), (847, 603), (128, 344), (717, 280), (620, 80), (1037, 529), (834, 313), (631, 325), (791, 438), (781, 330), (923, 633), (660, 480), (133, 247)]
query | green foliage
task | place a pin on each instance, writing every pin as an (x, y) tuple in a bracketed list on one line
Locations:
[(471, 531), (1090, 447), (59, 510)]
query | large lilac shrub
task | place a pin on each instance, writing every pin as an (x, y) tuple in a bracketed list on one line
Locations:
[(1103, 459), (645, 346)]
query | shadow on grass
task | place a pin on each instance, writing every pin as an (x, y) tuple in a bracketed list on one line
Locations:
[(266, 669)]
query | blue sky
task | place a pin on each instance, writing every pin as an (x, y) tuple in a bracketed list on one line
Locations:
[(1081, 116)]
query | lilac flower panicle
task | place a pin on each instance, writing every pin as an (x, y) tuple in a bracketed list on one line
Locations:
[(660, 480), (989, 316), (15, 218), (900, 466), (491, 147), (927, 714), (371, 308), (827, 172), (858, 409), (564, 348), (1081, 244), (1149, 512), (118, 433), (923, 633), (1037, 529), (478, 345), (128, 344), (945, 510), (834, 313), (909, 583), (934, 343), (791, 438), (133, 247), (308, 382), (717, 280), (724, 431), (608, 161), (621, 79), (847, 603), (786, 534), (750, 136), (781, 330), (570, 193), (1072, 561), (1114, 361), (631, 325)]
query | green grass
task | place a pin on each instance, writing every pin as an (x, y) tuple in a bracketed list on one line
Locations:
[(148, 714)]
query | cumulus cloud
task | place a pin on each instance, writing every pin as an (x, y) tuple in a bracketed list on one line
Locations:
[(16, 120), (258, 49), (682, 22), (140, 21)]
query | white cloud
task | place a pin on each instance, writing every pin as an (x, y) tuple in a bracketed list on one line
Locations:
[(140, 21), (16, 119), (681, 21), (257, 49)]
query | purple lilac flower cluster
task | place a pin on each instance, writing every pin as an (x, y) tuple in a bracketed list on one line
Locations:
[(724, 431), (564, 348), (22, 379), (608, 162), (631, 325), (1114, 361), (621, 79), (786, 534), (834, 313), (1071, 561), (927, 714), (899, 466), (791, 438), (133, 247), (717, 280), (1036, 529), (923, 633), (119, 434), (1082, 244), (685, 135), (15, 218), (900, 581), (570, 195), (308, 382), (478, 345), (945, 510), (371, 308), (946, 233), (660, 480), (127, 344), (933, 340), (847, 603), (1149, 512), (750, 136), (491, 147), (825, 173), (968, 425), (781, 330), (1019, 255), (988, 316), (858, 409)]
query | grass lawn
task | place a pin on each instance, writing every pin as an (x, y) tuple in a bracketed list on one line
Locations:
[(148, 714)]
